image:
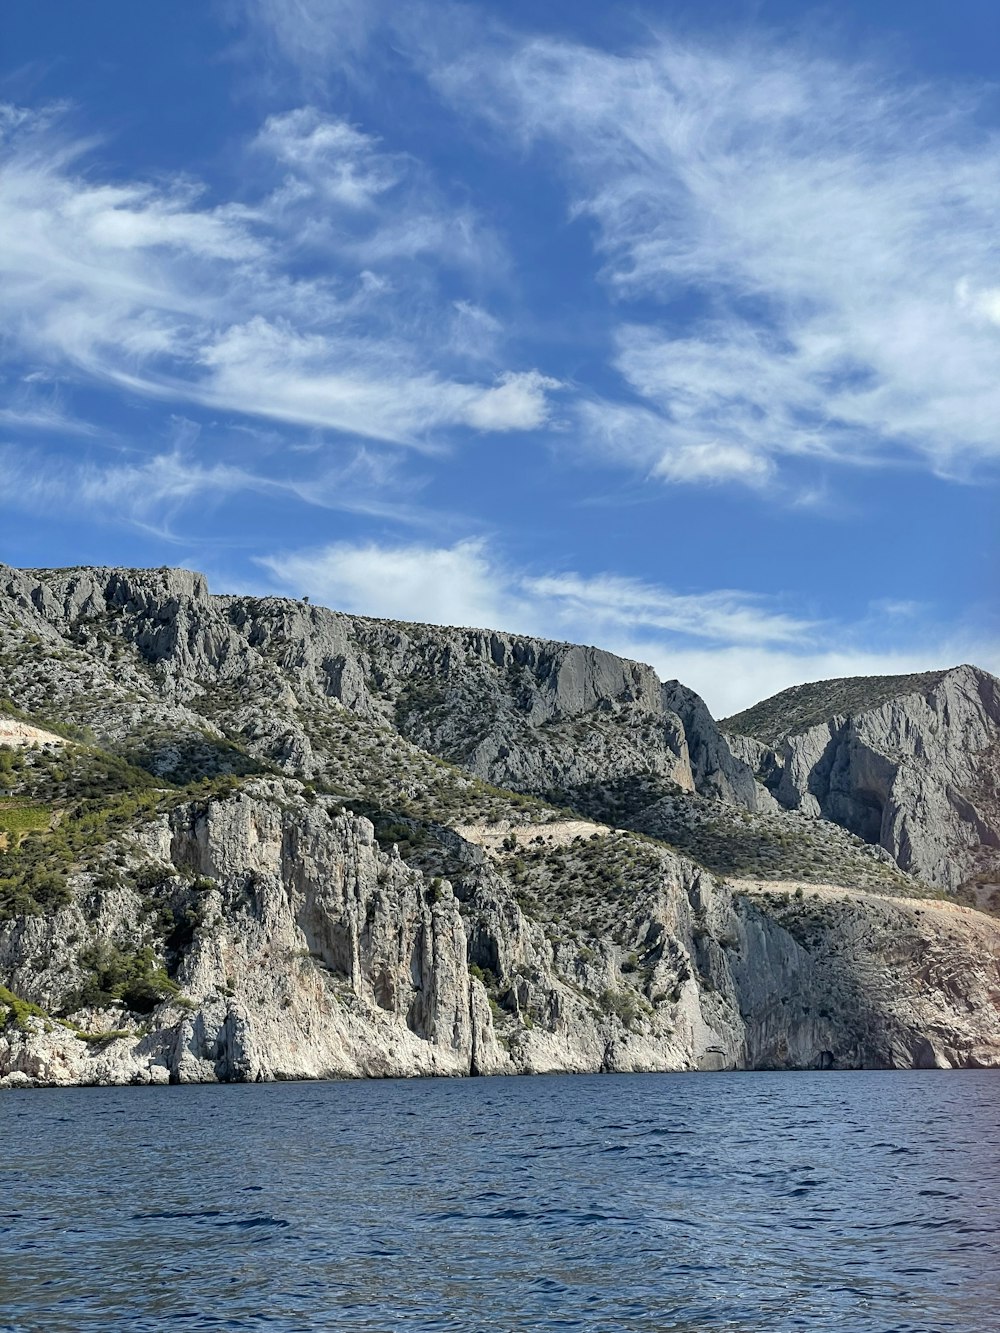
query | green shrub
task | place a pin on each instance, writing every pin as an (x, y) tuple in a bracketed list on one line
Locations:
[(14, 1009), (35, 891), (136, 979), (623, 1004), (485, 975)]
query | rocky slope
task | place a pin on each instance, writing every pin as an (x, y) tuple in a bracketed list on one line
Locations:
[(256, 839), (908, 763), (518, 712)]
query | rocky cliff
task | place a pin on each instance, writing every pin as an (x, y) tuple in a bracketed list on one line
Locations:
[(251, 839), (908, 763), (296, 948), (522, 713)]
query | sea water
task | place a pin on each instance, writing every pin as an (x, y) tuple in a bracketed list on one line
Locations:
[(833, 1201)]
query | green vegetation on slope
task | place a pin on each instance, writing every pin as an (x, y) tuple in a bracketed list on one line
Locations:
[(735, 843), (135, 977), (803, 706), (383, 776), (65, 807), (590, 886)]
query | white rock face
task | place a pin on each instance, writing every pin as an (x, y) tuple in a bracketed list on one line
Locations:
[(321, 956), (21, 735), (310, 951), (918, 774), (318, 955)]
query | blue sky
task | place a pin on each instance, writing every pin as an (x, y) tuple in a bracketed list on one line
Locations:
[(673, 328)]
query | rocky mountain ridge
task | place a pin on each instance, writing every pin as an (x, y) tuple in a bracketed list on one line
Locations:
[(316, 954), (271, 840), (504, 707), (910, 764)]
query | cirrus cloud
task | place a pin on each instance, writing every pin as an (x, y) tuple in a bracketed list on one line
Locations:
[(818, 237), (155, 290), (732, 646)]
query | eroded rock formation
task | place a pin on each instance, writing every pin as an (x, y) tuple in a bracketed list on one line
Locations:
[(280, 842), (910, 764)]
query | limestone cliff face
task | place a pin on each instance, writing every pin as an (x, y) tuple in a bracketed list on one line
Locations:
[(522, 713), (865, 981), (317, 955), (194, 926), (915, 771)]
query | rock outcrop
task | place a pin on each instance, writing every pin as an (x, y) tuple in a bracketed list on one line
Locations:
[(909, 763), (15, 735), (273, 841), (521, 713), (316, 954)]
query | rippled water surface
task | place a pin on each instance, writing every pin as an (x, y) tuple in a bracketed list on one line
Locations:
[(660, 1202)]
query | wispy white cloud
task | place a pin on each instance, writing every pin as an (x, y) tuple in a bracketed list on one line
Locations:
[(724, 615), (30, 414), (468, 584), (347, 193), (454, 585), (730, 679), (370, 391), (732, 647), (155, 492), (820, 237), (517, 401), (161, 293), (318, 36), (474, 331), (330, 157), (145, 493), (636, 435)]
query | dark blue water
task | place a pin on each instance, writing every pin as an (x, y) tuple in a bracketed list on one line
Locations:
[(676, 1202)]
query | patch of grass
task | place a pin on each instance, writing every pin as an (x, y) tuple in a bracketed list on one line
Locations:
[(18, 818), (14, 1009)]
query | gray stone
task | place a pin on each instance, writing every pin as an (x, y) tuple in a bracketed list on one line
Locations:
[(915, 773), (317, 951)]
